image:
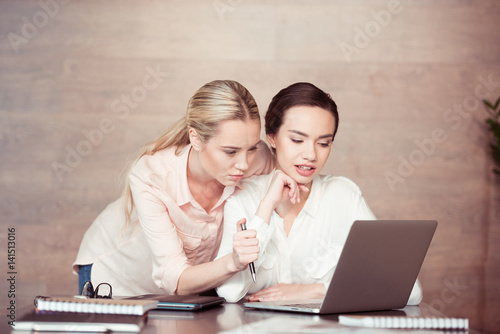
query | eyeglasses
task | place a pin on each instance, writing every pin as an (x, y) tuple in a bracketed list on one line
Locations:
[(89, 291)]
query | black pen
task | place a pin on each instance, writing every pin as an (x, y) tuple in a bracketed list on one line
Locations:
[(250, 265)]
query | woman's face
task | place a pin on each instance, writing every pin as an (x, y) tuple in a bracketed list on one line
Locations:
[(303, 142), (228, 155)]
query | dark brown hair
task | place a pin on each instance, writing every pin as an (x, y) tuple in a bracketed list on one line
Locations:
[(298, 94)]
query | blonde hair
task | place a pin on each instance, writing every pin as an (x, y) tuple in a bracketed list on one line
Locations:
[(213, 103)]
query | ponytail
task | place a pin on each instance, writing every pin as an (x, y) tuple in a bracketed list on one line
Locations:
[(176, 136)]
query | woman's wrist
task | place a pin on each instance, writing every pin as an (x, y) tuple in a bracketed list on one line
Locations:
[(229, 264), (265, 210)]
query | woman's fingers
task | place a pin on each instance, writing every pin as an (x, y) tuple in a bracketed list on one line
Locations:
[(283, 291), (303, 188), (289, 184), (265, 295), (294, 192), (245, 246), (294, 188)]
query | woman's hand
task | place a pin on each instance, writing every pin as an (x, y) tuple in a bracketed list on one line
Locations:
[(245, 247), (284, 291), (283, 186)]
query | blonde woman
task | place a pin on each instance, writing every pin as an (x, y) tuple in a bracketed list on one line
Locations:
[(164, 233)]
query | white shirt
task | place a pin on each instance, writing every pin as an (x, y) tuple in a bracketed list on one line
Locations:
[(310, 253)]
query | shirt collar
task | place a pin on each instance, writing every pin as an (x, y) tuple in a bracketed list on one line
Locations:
[(184, 194), (228, 191), (313, 201)]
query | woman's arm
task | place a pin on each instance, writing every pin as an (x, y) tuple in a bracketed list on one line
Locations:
[(237, 286), (359, 210), (244, 205), (244, 250), (172, 270), (209, 275), (168, 255), (282, 187)]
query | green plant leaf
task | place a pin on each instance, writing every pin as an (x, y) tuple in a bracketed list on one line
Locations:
[(494, 127), (495, 153), (497, 103), (489, 105)]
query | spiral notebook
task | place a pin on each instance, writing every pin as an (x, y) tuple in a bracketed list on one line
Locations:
[(404, 322), (79, 322), (95, 305)]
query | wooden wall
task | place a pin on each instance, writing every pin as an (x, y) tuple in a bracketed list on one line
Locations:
[(77, 101)]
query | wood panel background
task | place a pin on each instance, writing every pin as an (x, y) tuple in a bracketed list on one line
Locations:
[(408, 77)]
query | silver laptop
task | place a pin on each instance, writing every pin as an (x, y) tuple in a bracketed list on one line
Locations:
[(377, 269)]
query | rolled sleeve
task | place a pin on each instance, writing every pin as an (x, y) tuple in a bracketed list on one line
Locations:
[(240, 283), (169, 258), (265, 233), (236, 287)]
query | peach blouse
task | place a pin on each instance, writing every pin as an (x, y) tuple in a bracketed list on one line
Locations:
[(170, 231)]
